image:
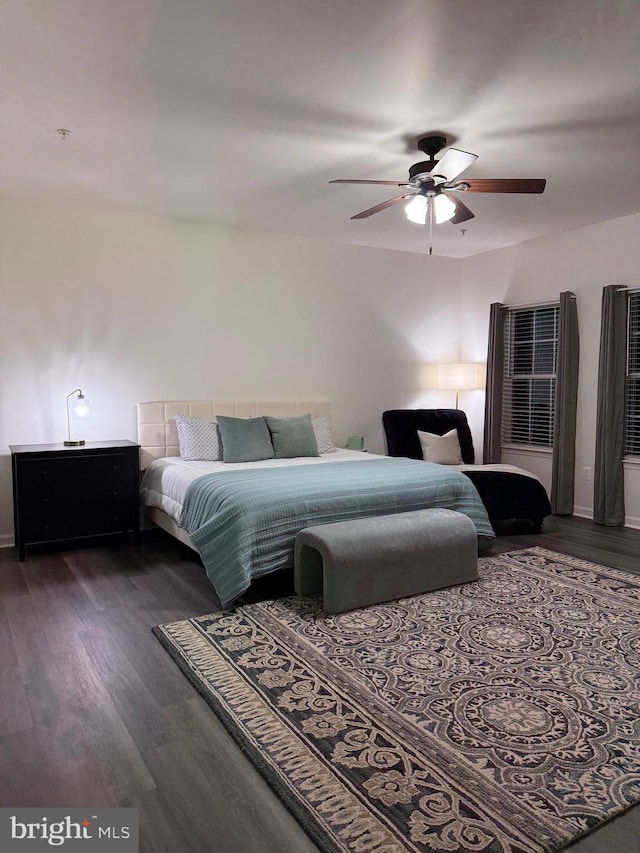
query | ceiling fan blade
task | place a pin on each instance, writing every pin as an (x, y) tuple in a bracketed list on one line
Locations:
[(505, 185), (385, 183), (452, 163), (382, 206), (462, 211)]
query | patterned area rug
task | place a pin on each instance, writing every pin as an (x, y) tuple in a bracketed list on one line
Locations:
[(502, 715)]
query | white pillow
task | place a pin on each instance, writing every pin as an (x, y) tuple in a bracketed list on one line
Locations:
[(443, 449), (322, 430), (199, 438)]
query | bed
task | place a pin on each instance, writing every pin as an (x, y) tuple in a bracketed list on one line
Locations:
[(242, 517)]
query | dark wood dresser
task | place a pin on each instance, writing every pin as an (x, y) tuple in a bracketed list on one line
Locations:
[(63, 494)]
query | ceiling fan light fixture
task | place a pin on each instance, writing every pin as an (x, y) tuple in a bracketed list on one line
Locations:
[(444, 209), (416, 209)]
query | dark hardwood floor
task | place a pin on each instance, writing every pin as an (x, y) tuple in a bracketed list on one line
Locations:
[(93, 712)]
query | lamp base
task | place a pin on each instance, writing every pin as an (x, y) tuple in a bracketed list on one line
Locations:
[(77, 443)]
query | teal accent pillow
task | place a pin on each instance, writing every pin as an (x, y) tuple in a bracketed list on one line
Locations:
[(244, 439), (292, 437)]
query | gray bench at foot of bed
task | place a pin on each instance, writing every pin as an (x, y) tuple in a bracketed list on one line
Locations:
[(369, 560)]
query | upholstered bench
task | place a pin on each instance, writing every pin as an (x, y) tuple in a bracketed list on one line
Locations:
[(370, 560)]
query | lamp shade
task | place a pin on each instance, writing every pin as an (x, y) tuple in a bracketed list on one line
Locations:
[(458, 377), (444, 209), (416, 209), (80, 406)]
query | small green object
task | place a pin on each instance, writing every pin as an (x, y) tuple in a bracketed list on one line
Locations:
[(355, 442)]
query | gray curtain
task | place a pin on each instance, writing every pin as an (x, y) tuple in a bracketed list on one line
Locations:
[(495, 372), (608, 486), (566, 407)]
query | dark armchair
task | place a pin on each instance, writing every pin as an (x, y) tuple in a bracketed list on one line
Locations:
[(506, 494)]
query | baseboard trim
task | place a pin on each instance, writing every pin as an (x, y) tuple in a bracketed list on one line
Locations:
[(585, 512), (7, 540)]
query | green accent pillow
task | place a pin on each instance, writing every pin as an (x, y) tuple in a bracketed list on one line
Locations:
[(292, 437), (244, 439)]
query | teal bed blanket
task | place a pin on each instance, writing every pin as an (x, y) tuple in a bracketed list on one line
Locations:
[(244, 523)]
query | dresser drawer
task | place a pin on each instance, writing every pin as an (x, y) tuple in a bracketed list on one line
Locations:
[(71, 496), (50, 526), (82, 478)]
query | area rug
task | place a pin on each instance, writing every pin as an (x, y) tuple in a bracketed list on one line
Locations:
[(501, 715)]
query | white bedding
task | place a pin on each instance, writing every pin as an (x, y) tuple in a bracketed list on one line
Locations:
[(166, 480), (499, 468)]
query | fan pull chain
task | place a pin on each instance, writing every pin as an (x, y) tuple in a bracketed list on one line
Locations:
[(430, 203)]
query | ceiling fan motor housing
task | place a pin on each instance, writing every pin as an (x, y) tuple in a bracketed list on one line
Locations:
[(421, 169), (430, 145)]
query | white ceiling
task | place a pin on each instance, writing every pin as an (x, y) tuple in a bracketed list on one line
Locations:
[(242, 111)]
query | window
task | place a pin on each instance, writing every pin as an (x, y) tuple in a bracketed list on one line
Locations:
[(530, 363), (632, 385)]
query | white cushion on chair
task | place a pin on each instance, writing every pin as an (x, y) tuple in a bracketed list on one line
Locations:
[(443, 449), (499, 468)]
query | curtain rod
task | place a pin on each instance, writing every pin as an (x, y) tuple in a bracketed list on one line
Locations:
[(553, 302), (549, 303)]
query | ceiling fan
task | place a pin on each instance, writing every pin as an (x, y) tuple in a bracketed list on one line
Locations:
[(433, 187)]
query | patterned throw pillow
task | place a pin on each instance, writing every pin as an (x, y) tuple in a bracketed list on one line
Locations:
[(322, 428), (443, 449), (199, 438)]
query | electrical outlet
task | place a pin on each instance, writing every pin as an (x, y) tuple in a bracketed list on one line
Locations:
[(586, 472)]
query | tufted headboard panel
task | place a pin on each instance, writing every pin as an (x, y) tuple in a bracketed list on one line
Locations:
[(157, 432)]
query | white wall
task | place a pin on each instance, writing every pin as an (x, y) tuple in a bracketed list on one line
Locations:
[(583, 261), (130, 308)]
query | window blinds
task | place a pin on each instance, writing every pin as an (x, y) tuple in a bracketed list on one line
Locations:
[(530, 364), (632, 389)]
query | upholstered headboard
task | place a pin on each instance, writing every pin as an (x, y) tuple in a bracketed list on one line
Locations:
[(157, 432), (401, 430)]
